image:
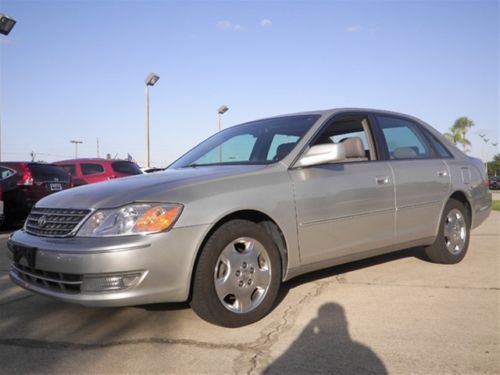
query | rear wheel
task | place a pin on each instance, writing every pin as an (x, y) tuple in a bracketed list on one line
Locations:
[(238, 275), (452, 241)]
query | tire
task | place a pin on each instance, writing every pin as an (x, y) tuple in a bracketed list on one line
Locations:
[(452, 241), (238, 275)]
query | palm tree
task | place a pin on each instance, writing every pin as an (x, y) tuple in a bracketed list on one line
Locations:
[(458, 132), (455, 136)]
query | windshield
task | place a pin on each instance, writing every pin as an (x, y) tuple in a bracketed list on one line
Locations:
[(258, 142)]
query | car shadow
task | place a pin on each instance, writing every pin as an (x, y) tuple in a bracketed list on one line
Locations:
[(416, 252)]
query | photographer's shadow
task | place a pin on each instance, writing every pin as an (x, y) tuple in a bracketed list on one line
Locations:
[(326, 347)]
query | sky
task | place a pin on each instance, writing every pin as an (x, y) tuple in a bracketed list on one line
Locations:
[(75, 69)]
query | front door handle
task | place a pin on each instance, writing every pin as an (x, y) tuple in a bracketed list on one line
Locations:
[(382, 180), (443, 173)]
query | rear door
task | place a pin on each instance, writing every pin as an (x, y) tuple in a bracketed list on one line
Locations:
[(421, 177)]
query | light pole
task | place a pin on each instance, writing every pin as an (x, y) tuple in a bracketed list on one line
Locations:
[(6, 25), (150, 80), (76, 147), (220, 111)]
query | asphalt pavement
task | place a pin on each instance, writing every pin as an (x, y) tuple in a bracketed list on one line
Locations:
[(395, 314)]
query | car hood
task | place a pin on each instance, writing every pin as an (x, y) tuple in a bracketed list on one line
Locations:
[(154, 187)]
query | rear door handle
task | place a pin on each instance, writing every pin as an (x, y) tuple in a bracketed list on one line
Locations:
[(382, 180), (443, 173)]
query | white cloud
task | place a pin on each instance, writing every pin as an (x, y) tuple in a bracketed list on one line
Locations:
[(224, 25), (354, 29), (229, 26), (266, 22)]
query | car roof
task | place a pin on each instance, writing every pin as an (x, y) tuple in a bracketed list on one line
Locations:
[(332, 111), (100, 160)]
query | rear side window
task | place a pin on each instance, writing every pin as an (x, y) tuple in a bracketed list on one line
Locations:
[(6, 173), (70, 168), (440, 149), (126, 167), (48, 172), (89, 169), (404, 139)]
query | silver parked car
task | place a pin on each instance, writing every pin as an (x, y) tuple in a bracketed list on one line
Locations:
[(251, 207)]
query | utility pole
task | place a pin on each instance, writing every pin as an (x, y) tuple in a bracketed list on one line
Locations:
[(76, 147), (98, 147)]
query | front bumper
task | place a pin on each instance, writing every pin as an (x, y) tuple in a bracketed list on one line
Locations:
[(61, 266)]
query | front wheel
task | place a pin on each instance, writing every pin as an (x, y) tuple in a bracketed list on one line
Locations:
[(453, 238), (238, 275)]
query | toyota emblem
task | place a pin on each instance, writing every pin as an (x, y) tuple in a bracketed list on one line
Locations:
[(42, 221)]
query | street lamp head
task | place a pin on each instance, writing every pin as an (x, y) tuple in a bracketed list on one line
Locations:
[(6, 24), (151, 79), (222, 109)]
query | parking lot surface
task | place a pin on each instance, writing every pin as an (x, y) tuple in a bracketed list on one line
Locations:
[(393, 314)]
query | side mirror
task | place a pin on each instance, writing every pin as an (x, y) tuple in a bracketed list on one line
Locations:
[(321, 154)]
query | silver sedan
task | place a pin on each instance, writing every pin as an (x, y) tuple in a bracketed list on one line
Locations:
[(251, 207)]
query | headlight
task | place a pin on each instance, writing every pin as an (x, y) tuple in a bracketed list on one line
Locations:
[(131, 219)]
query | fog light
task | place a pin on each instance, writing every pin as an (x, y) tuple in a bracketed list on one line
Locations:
[(110, 282)]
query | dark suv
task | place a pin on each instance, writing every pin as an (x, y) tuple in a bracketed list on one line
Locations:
[(89, 171), (24, 183)]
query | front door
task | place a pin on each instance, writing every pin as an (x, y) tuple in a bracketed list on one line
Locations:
[(348, 207)]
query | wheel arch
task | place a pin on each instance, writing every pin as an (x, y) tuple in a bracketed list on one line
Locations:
[(462, 197), (258, 217)]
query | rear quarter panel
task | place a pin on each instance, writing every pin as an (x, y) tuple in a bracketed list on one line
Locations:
[(466, 177)]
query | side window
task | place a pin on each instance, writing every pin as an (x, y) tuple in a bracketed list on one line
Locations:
[(89, 169), (238, 148), (359, 134), (70, 168), (281, 145), (354, 133), (404, 139), (6, 173), (440, 149)]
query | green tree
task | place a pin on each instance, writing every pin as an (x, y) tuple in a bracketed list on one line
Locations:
[(458, 132), (494, 166)]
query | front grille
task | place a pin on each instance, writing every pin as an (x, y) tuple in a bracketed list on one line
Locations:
[(56, 281), (54, 222)]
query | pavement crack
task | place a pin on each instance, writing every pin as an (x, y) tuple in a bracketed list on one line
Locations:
[(16, 300), (257, 355), (65, 345), (344, 281)]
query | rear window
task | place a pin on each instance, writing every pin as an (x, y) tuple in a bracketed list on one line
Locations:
[(48, 172), (88, 169), (126, 167)]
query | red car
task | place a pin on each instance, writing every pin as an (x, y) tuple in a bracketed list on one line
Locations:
[(89, 171), (25, 183)]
